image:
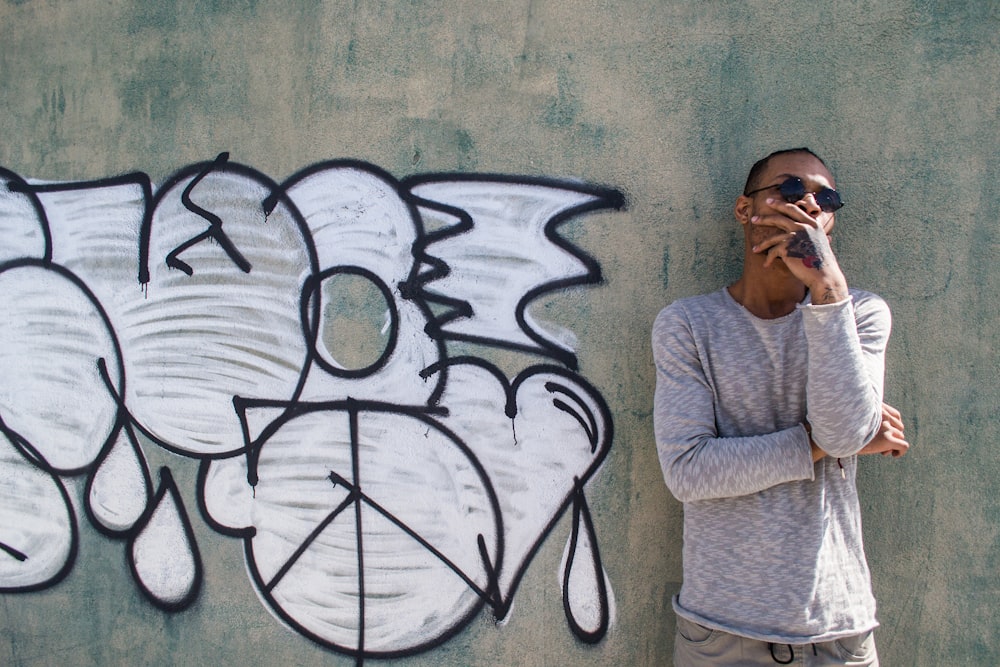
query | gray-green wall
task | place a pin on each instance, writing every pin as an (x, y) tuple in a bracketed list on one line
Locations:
[(669, 102)]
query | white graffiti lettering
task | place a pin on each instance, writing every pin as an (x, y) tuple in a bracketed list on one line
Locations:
[(385, 496)]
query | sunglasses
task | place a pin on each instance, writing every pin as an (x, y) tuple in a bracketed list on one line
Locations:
[(793, 190)]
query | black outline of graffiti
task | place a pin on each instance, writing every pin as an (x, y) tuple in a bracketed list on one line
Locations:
[(568, 391)]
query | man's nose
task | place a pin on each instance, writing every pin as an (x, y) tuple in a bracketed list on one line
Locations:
[(808, 204)]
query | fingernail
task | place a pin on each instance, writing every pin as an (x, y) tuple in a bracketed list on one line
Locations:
[(769, 200), (754, 218)]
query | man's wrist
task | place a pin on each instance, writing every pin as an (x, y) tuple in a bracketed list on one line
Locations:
[(817, 453), (828, 294), (832, 289)]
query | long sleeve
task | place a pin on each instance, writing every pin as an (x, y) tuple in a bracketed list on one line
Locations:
[(697, 463), (846, 369), (772, 542)]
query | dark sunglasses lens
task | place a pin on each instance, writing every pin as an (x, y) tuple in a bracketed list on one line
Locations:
[(828, 200), (792, 190)]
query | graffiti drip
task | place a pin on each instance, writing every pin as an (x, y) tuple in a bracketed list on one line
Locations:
[(383, 496)]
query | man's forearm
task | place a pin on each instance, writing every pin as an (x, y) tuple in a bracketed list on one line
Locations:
[(843, 392)]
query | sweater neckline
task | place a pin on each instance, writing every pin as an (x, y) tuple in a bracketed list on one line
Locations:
[(767, 321)]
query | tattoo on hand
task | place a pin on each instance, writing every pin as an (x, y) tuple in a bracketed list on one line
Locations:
[(802, 247)]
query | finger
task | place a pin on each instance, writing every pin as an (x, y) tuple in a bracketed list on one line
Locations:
[(886, 408), (887, 440), (895, 415), (893, 420), (782, 222), (774, 253), (889, 428), (896, 441), (771, 242), (794, 212), (898, 446)]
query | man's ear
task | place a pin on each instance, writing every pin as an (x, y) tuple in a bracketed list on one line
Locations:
[(743, 209)]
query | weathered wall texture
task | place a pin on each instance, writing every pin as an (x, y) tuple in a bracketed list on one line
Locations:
[(436, 497)]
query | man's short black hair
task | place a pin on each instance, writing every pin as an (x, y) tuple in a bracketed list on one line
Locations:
[(755, 171)]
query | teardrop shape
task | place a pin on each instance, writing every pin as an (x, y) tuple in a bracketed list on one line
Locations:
[(584, 587), (120, 489), (163, 555)]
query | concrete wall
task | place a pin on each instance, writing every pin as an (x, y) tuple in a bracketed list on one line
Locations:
[(585, 101)]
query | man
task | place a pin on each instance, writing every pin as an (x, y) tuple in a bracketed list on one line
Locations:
[(767, 390)]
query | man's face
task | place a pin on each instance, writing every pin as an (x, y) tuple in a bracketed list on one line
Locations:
[(801, 165)]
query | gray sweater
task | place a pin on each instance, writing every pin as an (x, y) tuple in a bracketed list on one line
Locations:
[(772, 543)]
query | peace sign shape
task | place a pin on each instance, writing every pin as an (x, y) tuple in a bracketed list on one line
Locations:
[(375, 529)]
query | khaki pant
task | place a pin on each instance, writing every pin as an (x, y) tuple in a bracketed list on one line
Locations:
[(698, 646)]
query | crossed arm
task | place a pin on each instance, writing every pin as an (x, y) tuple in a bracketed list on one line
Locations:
[(699, 463), (804, 247), (889, 441)]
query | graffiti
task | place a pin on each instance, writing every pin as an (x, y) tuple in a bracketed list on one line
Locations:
[(384, 497)]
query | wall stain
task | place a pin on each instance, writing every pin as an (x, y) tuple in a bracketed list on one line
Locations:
[(562, 110)]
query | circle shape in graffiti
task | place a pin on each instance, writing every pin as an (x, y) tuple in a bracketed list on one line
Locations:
[(56, 405), (349, 341), (360, 221), (376, 532)]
